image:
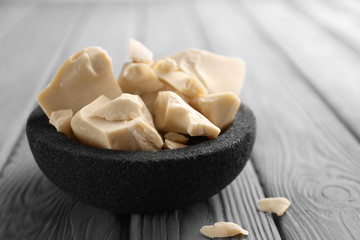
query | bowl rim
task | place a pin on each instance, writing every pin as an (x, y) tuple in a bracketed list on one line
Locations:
[(66, 145)]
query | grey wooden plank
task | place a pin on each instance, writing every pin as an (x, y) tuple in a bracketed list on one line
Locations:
[(328, 66), (31, 207), (97, 2), (302, 152), (28, 53), (336, 22), (10, 15), (16, 2), (106, 26), (172, 28), (350, 7)]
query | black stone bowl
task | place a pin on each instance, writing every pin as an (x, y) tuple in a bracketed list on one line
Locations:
[(142, 181)]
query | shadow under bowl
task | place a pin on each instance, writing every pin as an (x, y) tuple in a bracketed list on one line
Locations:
[(141, 181)]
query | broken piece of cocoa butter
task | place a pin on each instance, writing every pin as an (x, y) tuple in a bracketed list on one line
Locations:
[(139, 53), (173, 114), (138, 78), (125, 107), (166, 69), (176, 137), (165, 65), (136, 134), (277, 205), (223, 229), (168, 144), (149, 98), (183, 82), (217, 73), (219, 108), (81, 79), (61, 120)]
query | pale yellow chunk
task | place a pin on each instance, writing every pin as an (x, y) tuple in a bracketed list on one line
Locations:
[(277, 205), (219, 108), (139, 53), (149, 98), (81, 79), (125, 107), (168, 144), (138, 78), (61, 120), (183, 82), (173, 114), (223, 229), (176, 137), (136, 134), (165, 65), (217, 73)]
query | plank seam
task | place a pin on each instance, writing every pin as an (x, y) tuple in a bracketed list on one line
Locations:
[(297, 7), (262, 31), (260, 195), (207, 43), (16, 134), (192, 9), (19, 20), (12, 152)]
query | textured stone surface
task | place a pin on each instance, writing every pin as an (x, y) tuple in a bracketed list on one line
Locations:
[(152, 181)]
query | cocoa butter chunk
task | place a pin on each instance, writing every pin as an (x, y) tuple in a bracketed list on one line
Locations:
[(223, 229), (81, 79), (61, 120), (138, 78), (149, 98), (168, 144), (219, 108), (125, 107), (183, 82), (173, 114), (217, 73), (136, 134), (176, 137), (277, 205), (139, 53), (165, 65)]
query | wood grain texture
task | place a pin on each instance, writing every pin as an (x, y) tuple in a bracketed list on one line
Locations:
[(338, 23), (28, 54), (303, 152), (351, 7), (171, 28), (327, 65), (106, 26), (31, 207), (11, 15), (236, 203)]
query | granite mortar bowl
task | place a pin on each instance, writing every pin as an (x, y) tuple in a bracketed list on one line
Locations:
[(141, 181)]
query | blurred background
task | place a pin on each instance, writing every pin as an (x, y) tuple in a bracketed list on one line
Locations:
[(302, 82), (318, 40)]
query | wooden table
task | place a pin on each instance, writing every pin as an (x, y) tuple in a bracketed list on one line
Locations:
[(302, 82)]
